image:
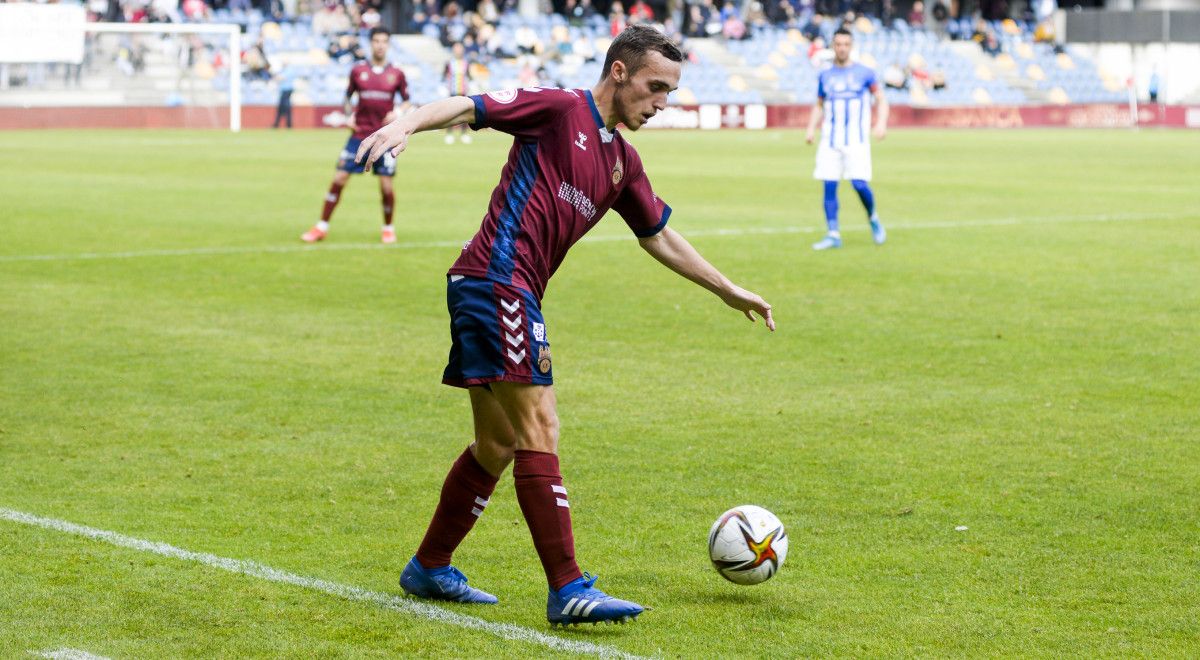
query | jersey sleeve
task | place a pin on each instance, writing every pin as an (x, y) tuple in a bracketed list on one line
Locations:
[(402, 85), (352, 86), (523, 113), (641, 209), (872, 81)]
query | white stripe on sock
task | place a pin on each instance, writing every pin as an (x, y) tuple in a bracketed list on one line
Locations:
[(481, 502), (561, 490), (563, 503), (476, 511)]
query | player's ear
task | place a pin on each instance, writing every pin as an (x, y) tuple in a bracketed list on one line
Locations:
[(619, 73)]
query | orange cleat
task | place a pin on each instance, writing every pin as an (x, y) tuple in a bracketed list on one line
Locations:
[(313, 235), (389, 235)]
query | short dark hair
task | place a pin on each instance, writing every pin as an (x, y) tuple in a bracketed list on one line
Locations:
[(378, 30), (632, 45), (844, 31)]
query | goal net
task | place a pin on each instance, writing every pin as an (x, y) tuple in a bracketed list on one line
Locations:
[(51, 57)]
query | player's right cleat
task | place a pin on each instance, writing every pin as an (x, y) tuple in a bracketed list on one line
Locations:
[(580, 602), (313, 235), (388, 235), (449, 139), (828, 243), (446, 583), (878, 233)]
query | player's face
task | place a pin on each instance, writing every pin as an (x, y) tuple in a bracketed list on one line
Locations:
[(841, 48), (642, 95), (379, 47)]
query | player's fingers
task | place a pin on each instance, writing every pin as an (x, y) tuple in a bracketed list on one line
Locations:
[(750, 315), (364, 148), (770, 321)]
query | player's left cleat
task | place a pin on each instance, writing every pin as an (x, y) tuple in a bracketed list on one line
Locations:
[(878, 233), (446, 583), (313, 235), (466, 138), (580, 602), (389, 235)]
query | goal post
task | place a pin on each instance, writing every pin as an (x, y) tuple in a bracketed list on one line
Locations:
[(232, 30), (116, 65)]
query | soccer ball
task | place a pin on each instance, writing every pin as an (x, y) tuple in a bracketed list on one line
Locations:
[(747, 544)]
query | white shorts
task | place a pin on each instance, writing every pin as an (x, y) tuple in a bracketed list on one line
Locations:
[(850, 162)]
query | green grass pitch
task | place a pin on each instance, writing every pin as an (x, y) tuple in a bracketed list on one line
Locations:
[(1021, 359)]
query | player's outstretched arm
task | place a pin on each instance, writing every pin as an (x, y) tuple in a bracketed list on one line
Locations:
[(673, 251), (814, 120), (881, 115), (394, 137)]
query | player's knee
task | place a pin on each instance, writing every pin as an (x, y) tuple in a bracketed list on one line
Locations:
[(541, 432), (860, 185)]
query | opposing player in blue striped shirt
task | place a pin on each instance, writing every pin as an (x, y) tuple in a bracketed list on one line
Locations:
[(843, 107)]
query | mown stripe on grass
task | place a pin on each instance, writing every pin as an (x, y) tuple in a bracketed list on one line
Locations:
[(740, 231)]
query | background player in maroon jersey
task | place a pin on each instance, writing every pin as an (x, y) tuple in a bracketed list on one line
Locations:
[(376, 82), (568, 165)]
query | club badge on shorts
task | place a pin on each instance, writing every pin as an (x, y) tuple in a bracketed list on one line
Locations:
[(618, 172), (544, 359)]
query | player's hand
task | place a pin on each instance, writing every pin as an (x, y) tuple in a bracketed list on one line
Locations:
[(879, 132), (748, 302), (809, 137), (391, 138)]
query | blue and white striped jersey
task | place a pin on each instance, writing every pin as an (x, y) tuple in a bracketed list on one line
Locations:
[(847, 92)]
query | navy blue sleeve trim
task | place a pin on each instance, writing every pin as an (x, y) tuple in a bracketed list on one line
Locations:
[(647, 233), (480, 113)]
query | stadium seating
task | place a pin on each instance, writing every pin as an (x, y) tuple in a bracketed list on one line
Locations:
[(774, 65)]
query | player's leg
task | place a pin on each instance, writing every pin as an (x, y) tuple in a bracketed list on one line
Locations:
[(465, 495), (464, 134), (532, 410), (828, 170), (345, 167), (387, 196), (858, 170)]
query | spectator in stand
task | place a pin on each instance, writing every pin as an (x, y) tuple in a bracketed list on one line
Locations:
[(938, 80), (454, 28), (991, 45), (580, 12), (894, 77), (756, 19), (331, 19), (640, 12), (346, 48), (916, 17), (488, 12), (695, 22), (370, 18), (712, 18), (616, 19), (813, 30), (255, 59), (732, 26), (196, 11)]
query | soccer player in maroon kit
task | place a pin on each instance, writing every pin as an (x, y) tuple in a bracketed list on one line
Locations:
[(568, 165), (376, 82)]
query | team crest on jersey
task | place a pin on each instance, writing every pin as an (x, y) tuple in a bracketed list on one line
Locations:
[(504, 97), (391, 79), (363, 76), (618, 172), (544, 359)]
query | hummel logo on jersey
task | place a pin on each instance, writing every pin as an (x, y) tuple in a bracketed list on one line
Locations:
[(581, 140)]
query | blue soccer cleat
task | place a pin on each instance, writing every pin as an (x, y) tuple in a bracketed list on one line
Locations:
[(828, 243), (579, 602), (446, 583), (877, 231)]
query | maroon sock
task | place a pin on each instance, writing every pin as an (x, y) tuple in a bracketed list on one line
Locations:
[(389, 202), (465, 495), (543, 500), (331, 201)]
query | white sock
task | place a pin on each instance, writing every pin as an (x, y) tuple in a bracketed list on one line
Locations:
[(834, 234), (322, 225), (387, 228)]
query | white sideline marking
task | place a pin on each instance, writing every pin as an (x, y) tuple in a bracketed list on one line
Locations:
[(68, 654), (753, 231), (348, 592)]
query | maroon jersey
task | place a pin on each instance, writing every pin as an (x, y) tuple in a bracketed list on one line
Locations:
[(377, 87), (564, 171)]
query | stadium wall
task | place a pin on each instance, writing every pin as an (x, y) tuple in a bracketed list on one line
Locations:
[(706, 117)]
